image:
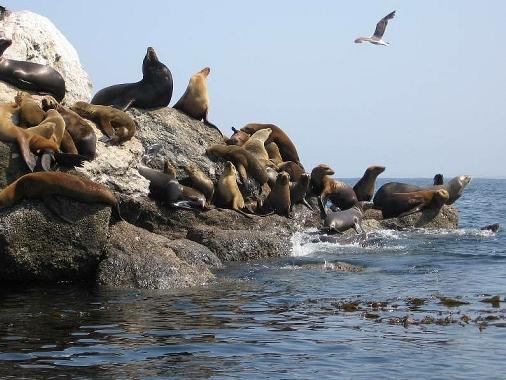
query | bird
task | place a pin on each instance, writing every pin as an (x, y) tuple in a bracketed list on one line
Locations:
[(377, 37)]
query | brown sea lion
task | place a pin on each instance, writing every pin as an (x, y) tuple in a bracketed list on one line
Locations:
[(273, 152), (195, 100), (117, 125), (44, 185), (293, 169), (326, 188), (200, 181), (278, 199), (364, 188), (299, 190), (256, 145), (285, 145), (53, 118), (169, 169), (67, 144), (227, 194), (30, 113), (402, 204)]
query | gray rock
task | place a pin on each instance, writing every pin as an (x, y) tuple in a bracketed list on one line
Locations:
[(36, 245), (136, 258), (12, 164), (194, 253)]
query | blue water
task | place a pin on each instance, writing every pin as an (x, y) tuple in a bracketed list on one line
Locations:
[(288, 318)]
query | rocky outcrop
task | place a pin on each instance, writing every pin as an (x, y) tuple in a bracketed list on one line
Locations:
[(36, 245), (448, 218), (36, 39)]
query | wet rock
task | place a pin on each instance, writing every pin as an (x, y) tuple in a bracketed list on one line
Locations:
[(136, 258), (36, 39), (36, 245), (195, 254)]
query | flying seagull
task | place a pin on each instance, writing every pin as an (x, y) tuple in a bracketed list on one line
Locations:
[(377, 37)]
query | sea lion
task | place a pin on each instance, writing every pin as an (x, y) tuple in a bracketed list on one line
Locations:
[(256, 145), (438, 180), (245, 162), (154, 90), (54, 119), (78, 128), (200, 181), (195, 100), (285, 145), (45, 185), (30, 76), (341, 221), (406, 203), (278, 199), (491, 227), (293, 169), (116, 125), (298, 191), (455, 187), (364, 188), (30, 113), (169, 169), (326, 188), (227, 194), (273, 152)]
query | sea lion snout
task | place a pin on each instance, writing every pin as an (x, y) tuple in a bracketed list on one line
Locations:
[(151, 54), (205, 71)]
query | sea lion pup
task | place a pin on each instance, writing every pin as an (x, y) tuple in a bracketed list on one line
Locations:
[(117, 125), (403, 204), (293, 169), (195, 100), (273, 152), (364, 188), (341, 221), (45, 185), (28, 142), (227, 194), (326, 188), (278, 199), (245, 162), (285, 145), (30, 113), (200, 181), (30, 76), (81, 132), (154, 90), (298, 191), (438, 180)]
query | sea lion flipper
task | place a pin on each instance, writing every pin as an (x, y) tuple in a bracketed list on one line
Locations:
[(46, 160), (24, 148), (128, 105), (209, 124), (409, 212), (107, 128), (305, 203)]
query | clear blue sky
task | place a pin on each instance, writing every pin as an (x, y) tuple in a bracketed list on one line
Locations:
[(434, 101)]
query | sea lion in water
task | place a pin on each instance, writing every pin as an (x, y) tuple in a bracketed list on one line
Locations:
[(278, 199), (154, 90), (285, 145), (491, 227), (30, 76), (438, 180), (364, 188), (341, 221), (195, 100), (326, 188), (117, 125), (227, 194), (45, 185), (298, 191)]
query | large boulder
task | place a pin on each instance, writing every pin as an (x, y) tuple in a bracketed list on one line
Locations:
[(136, 258), (36, 39), (36, 245)]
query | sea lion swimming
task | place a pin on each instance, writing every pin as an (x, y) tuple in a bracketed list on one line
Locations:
[(402, 204), (341, 221), (154, 90), (45, 185), (195, 100), (116, 125), (30, 76), (364, 188)]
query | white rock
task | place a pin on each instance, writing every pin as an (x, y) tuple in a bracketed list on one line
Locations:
[(36, 39)]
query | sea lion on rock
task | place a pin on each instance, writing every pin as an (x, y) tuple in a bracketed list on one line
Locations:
[(438, 180), (200, 181), (45, 185), (298, 191), (256, 145), (285, 145), (169, 169), (364, 188), (273, 152), (278, 199), (55, 120), (227, 194), (195, 100), (30, 76), (341, 221), (154, 90), (293, 169), (402, 204), (30, 113), (117, 125), (326, 188), (455, 187)]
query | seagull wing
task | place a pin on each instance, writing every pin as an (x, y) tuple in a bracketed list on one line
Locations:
[(382, 24)]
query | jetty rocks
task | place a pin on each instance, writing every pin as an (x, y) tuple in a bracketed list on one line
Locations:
[(155, 247)]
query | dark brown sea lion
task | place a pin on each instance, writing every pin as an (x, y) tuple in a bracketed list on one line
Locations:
[(195, 100), (227, 194), (154, 90), (438, 180), (364, 188), (200, 181), (293, 169), (285, 145), (326, 188), (299, 190), (30, 76), (278, 199), (44, 185), (117, 125), (402, 204)]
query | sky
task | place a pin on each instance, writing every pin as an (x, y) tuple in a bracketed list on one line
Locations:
[(431, 102)]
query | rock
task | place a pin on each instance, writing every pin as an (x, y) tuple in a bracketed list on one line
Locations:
[(12, 165), (36, 39), (36, 245), (195, 254), (136, 258), (447, 218)]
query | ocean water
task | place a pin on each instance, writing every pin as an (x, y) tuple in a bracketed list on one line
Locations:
[(416, 310)]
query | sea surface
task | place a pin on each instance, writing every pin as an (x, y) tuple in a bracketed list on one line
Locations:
[(417, 310)]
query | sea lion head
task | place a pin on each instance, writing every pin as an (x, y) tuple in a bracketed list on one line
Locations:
[(464, 180), (230, 168), (321, 170), (376, 169), (262, 134), (238, 138), (304, 180), (438, 180), (205, 71), (49, 102), (283, 179), (153, 69), (151, 55), (442, 196)]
